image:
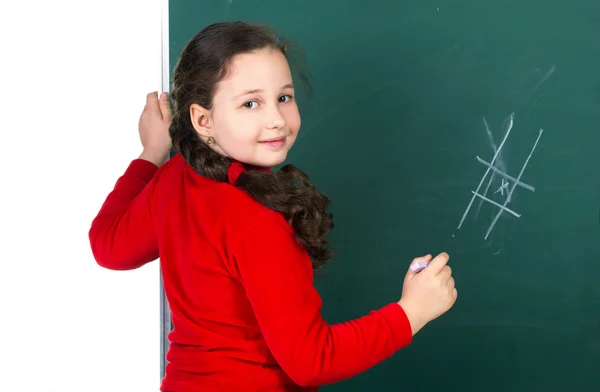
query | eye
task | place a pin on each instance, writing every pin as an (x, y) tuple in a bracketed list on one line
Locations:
[(250, 104), (285, 98)]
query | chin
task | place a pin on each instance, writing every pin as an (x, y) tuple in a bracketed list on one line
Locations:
[(276, 162), (276, 159)]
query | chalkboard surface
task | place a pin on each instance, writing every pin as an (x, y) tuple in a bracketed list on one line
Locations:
[(471, 127)]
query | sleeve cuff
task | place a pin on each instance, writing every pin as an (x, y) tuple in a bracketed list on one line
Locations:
[(142, 169), (399, 324)]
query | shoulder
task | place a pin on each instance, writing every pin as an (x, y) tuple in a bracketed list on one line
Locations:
[(250, 222), (241, 207), (233, 212)]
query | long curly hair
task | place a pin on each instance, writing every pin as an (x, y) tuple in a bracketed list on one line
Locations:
[(202, 64)]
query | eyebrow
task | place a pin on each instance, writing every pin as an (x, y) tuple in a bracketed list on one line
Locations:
[(257, 90)]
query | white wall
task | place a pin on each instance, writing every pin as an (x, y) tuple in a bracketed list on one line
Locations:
[(74, 78)]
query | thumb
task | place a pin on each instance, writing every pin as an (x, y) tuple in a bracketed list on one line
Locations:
[(165, 107), (411, 274)]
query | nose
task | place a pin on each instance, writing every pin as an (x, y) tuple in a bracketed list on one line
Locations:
[(275, 119)]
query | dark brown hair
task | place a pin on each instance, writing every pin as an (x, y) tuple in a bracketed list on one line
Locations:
[(202, 64)]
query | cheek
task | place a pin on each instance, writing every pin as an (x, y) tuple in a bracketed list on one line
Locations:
[(292, 117), (235, 133), (229, 127)]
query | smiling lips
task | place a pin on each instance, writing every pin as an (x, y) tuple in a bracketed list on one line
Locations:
[(277, 142)]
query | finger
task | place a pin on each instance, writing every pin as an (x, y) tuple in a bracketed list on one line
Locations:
[(438, 263), (454, 293), (451, 282), (165, 108), (412, 273), (445, 274), (152, 101)]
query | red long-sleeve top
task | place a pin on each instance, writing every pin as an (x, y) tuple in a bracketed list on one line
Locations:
[(245, 312)]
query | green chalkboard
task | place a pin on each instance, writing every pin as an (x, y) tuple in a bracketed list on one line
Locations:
[(411, 102)]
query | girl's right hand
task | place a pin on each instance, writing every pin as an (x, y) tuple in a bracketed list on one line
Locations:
[(428, 294)]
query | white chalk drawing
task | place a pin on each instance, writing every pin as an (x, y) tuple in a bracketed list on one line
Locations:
[(497, 167), (502, 187)]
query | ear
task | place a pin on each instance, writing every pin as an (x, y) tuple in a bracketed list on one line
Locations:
[(201, 120)]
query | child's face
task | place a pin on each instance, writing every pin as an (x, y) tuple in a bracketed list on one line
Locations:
[(254, 118)]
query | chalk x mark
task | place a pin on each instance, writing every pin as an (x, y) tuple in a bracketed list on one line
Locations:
[(502, 187)]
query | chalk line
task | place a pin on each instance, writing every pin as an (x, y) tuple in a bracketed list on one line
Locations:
[(497, 204)]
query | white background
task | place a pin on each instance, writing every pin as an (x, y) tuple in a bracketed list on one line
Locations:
[(74, 77)]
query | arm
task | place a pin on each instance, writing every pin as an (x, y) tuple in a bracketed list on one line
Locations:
[(122, 235), (277, 275)]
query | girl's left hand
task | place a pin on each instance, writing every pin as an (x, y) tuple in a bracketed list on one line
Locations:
[(154, 124)]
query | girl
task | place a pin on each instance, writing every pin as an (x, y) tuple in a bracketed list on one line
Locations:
[(237, 241)]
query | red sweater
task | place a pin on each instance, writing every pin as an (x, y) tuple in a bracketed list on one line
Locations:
[(246, 315)]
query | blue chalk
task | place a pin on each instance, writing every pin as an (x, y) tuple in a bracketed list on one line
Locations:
[(419, 265)]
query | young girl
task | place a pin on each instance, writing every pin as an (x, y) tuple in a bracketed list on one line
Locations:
[(237, 241)]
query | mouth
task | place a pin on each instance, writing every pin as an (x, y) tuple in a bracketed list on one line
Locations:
[(276, 142)]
